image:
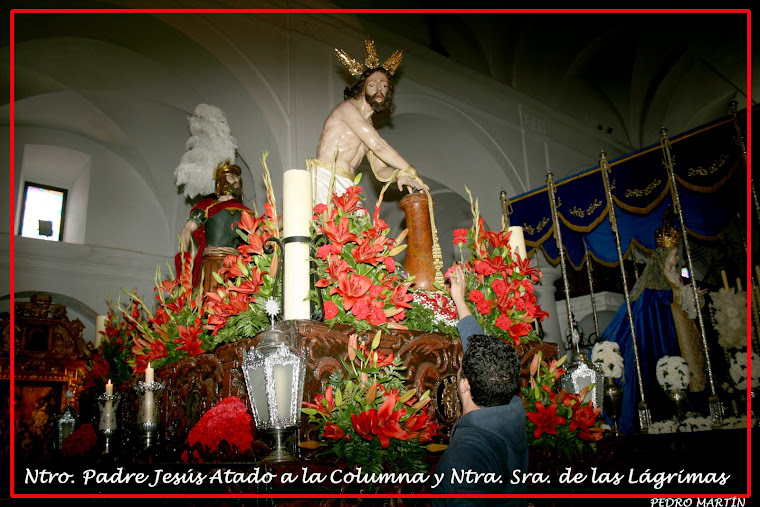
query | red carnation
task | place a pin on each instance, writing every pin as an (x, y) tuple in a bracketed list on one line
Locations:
[(331, 310), (476, 296), (228, 420)]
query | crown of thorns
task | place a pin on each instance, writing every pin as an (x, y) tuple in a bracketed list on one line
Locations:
[(371, 60)]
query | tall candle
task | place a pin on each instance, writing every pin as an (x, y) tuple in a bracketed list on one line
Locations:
[(100, 329), (738, 284), (109, 388), (149, 374), (296, 217), (725, 279), (517, 242)]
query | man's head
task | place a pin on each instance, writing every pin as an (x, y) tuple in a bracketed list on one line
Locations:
[(490, 373), (228, 181), (377, 85)]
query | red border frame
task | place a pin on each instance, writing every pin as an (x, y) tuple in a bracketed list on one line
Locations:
[(748, 142)]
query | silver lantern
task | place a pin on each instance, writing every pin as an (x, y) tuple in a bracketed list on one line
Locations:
[(274, 376)]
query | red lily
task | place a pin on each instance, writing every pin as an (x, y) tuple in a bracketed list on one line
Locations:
[(400, 296), (349, 201), (365, 424), (585, 417), (351, 289), (157, 350), (188, 338), (339, 234), (498, 239), (333, 431), (248, 223), (388, 425), (546, 419), (323, 403), (368, 250)]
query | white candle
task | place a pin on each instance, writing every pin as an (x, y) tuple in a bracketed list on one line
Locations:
[(296, 217), (148, 406), (738, 285), (100, 329), (149, 374), (517, 242), (148, 397), (296, 203), (725, 279), (108, 422)]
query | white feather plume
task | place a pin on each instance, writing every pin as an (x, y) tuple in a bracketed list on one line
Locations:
[(210, 144)]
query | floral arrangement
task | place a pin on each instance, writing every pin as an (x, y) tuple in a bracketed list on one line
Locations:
[(556, 418), (246, 282), (696, 422), (369, 418), (660, 427), (187, 322), (111, 359), (174, 330), (673, 373), (607, 355), (738, 370), (228, 421), (433, 311), (499, 287), (80, 442), (356, 270), (729, 316)]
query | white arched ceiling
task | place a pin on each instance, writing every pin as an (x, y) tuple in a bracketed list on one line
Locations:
[(133, 98)]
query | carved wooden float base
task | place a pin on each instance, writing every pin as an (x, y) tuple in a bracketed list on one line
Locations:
[(196, 384)]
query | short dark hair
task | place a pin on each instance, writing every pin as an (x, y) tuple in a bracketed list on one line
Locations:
[(358, 88), (492, 368)]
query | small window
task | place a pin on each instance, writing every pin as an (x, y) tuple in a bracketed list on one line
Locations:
[(43, 212)]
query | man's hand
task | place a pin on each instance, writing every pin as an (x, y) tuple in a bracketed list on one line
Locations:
[(412, 183), (458, 288)]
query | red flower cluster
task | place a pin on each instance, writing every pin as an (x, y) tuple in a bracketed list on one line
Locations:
[(228, 420), (357, 265), (557, 417), (500, 286), (81, 441), (371, 404), (243, 274)]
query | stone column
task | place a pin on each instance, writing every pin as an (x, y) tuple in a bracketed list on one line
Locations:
[(419, 251), (545, 294)]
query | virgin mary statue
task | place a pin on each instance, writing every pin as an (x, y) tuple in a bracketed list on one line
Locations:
[(663, 310)]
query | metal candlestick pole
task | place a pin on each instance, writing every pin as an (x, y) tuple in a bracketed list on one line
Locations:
[(505, 210), (589, 270), (645, 416), (716, 407), (558, 238), (754, 283)]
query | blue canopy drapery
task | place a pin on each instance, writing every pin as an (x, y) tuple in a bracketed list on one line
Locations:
[(710, 175)]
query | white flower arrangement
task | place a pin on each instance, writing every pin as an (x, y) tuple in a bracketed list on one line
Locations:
[(667, 426), (730, 423), (697, 423), (729, 316), (607, 355), (673, 373), (738, 370)]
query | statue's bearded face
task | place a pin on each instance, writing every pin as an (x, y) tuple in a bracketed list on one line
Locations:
[(376, 91), (229, 184)]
